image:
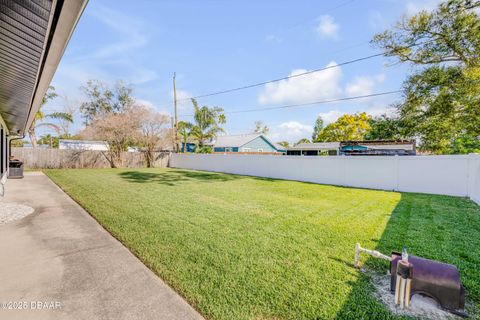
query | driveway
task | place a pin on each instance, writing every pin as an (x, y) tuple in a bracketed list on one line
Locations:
[(61, 264)]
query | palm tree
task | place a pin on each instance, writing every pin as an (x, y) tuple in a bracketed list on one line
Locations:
[(284, 144), (261, 128), (39, 121), (303, 140), (207, 124), (41, 117), (184, 129)]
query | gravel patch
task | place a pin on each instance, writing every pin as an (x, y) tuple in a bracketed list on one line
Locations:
[(420, 306), (12, 211)]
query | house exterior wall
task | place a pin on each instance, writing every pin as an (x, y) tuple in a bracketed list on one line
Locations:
[(371, 148), (258, 143), (3, 151), (4, 156), (191, 147)]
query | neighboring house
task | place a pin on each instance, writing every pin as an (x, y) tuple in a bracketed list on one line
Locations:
[(353, 148), (82, 145), (378, 148), (246, 143), (190, 147), (314, 149)]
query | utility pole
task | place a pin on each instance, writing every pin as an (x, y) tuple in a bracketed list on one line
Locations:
[(173, 134), (175, 127)]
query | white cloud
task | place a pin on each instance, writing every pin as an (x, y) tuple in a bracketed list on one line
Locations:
[(150, 105), (414, 7), (110, 59), (380, 77), (324, 85), (146, 103), (301, 89), (71, 75), (131, 32), (273, 38), (78, 74), (327, 28), (183, 101), (139, 75), (290, 131), (380, 109), (331, 116), (360, 86), (363, 85)]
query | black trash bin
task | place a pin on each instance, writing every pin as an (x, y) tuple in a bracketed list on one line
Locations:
[(15, 170)]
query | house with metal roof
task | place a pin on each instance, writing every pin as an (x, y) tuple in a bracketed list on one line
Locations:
[(379, 148), (33, 37), (352, 148), (246, 143)]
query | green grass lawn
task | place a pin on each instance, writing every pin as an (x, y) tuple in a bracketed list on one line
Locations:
[(241, 247)]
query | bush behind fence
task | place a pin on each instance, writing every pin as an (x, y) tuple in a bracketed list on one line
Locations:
[(40, 158)]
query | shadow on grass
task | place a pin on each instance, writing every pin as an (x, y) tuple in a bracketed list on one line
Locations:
[(175, 177), (436, 227)]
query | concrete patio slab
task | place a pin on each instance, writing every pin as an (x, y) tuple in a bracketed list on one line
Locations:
[(59, 263)]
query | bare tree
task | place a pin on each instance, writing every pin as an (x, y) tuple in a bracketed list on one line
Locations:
[(113, 116), (153, 134), (118, 130)]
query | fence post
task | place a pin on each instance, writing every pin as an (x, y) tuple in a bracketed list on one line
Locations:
[(344, 170), (473, 181), (397, 172)]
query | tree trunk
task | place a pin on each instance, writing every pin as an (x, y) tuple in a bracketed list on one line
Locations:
[(114, 157), (33, 137), (148, 158)]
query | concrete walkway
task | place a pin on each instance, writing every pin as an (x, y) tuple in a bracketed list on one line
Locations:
[(62, 257)]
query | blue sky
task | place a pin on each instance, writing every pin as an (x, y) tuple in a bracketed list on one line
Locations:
[(216, 45)]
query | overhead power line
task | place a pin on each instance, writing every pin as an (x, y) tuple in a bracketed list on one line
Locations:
[(340, 5), (311, 103), (299, 74), (283, 78), (343, 4)]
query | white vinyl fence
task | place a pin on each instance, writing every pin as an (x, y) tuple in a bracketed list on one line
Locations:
[(456, 175)]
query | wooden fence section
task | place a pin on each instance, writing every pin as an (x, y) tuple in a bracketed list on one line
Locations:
[(40, 158)]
